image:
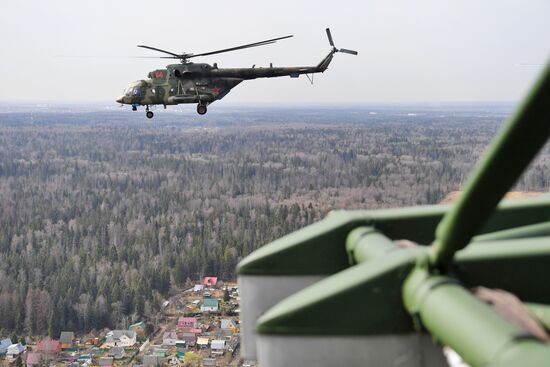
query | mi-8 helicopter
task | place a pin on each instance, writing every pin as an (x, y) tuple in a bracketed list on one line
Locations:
[(203, 84)]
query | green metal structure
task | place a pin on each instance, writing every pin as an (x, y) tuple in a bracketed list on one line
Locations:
[(346, 291)]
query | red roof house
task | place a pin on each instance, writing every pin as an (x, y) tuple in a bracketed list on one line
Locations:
[(187, 322), (49, 346), (33, 359), (210, 281)]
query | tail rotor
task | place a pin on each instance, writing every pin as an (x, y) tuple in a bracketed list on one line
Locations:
[(343, 50), (330, 37)]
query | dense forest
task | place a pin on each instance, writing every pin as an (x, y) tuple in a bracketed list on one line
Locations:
[(101, 220)]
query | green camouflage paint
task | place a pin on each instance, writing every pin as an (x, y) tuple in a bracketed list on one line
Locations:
[(202, 83)]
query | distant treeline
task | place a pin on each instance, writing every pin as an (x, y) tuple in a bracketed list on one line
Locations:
[(99, 222)]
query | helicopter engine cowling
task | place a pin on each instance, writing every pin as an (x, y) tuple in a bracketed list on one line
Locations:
[(187, 74)]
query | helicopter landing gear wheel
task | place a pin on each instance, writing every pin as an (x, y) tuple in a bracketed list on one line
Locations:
[(149, 114), (201, 109)]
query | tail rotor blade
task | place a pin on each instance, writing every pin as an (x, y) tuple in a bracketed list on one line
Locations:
[(330, 37), (351, 52)]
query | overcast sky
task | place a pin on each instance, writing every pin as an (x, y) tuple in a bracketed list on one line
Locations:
[(409, 51)]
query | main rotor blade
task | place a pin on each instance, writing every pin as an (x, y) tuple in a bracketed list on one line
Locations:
[(330, 37), (114, 57), (255, 44), (348, 51), (159, 50), (154, 57)]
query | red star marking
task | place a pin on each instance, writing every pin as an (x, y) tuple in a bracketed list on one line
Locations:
[(159, 74), (216, 90)]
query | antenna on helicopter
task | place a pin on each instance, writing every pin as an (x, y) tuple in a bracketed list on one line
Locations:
[(185, 56)]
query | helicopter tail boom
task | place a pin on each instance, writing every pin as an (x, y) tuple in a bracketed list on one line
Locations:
[(252, 73), (269, 72), (323, 65)]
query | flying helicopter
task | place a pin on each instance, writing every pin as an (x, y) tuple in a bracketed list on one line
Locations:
[(203, 84)]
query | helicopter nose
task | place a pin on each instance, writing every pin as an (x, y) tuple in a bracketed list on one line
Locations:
[(120, 99)]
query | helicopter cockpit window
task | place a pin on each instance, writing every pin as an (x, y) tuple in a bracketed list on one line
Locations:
[(159, 74), (128, 91), (136, 91)]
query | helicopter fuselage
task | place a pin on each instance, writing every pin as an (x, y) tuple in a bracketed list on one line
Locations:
[(165, 88), (198, 83)]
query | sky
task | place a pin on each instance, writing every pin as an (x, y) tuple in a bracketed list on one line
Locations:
[(409, 51)]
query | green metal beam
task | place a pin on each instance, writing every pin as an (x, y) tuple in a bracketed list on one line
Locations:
[(520, 266), (486, 263), (456, 318), (511, 152), (366, 243), (363, 300), (533, 230), (383, 267), (522, 353), (319, 249)]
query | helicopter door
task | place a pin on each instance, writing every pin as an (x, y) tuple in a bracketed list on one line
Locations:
[(181, 90)]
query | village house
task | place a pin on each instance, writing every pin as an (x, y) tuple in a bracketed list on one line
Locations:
[(202, 342), (4, 344), (67, 339), (217, 347), (33, 359), (15, 350), (152, 361), (190, 339), (209, 305), (106, 362), (120, 338), (117, 353), (49, 346), (187, 322), (210, 281), (228, 324), (169, 338), (198, 288), (228, 327), (85, 358)]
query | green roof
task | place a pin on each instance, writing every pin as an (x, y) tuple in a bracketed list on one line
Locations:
[(210, 302), (140, 324)]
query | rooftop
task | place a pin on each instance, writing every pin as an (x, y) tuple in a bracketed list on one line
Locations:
[(210, 302)]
